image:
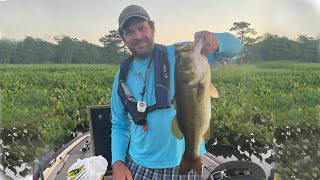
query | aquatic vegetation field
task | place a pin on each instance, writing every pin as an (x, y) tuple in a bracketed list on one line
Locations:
[(261, 107)]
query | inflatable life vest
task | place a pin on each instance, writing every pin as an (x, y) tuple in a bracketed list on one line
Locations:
[(162, 85)]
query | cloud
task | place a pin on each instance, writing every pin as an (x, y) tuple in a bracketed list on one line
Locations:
[(3, 0)]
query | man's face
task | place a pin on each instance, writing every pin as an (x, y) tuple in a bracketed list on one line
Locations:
[(139, 38)]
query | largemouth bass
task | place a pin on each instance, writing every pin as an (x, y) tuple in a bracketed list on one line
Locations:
[(192, 102)]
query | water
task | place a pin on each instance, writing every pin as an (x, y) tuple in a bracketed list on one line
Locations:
[(265, 166), (10, 175)]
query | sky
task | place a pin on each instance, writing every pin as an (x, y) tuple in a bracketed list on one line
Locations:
[(175, 21)]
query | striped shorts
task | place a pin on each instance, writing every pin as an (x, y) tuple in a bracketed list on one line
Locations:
[(141, 173)]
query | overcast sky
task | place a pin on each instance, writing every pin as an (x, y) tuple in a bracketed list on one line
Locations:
[(175, 20)]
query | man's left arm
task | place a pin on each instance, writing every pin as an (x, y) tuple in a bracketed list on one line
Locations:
[(218, 46)]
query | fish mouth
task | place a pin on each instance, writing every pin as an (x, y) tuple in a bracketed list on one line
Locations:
[(183, 47)]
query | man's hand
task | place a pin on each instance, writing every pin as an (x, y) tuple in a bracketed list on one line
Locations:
[(120, 171), (210, 44)]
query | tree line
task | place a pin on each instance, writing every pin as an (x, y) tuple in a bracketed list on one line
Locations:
[(68, 50), (65, 50), (271, 47)]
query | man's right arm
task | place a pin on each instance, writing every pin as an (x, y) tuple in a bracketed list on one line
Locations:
[(120, 134), (120, 131)]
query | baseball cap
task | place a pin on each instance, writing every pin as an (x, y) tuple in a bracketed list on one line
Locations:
[(132, 11)]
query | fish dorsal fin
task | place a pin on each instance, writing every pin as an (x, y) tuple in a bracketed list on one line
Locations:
[(213, 91), (175, 129)]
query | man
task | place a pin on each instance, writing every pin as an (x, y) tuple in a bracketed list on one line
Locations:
[(141, 100)]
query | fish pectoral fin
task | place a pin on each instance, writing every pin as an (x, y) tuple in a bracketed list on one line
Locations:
[(213, 91), (195, 81), (175, 129), (206, 136)]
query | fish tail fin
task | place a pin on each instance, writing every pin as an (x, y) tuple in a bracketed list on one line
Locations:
[(197, 165), (187, 164)]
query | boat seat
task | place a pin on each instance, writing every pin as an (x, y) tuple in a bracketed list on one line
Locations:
[(99, 118)]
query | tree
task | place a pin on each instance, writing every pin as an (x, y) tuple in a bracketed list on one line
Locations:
[(45, 52), (73, 51), (26, 51), (309, 47), (273, 47), (65, 49), (86, 53), (114, 50), (245, 34), (33, 51), (7, 51)]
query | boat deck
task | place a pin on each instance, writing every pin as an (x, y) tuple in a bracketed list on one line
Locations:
[(96, 141), (59, 168)]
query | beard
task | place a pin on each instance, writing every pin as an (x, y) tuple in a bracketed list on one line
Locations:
[(141, 49)]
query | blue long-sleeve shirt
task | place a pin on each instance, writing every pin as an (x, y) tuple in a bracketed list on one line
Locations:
[(156, 147)]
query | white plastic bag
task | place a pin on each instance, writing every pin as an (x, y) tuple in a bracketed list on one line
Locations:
[(92, 168)]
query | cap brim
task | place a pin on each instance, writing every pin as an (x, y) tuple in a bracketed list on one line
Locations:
[(125, 20)]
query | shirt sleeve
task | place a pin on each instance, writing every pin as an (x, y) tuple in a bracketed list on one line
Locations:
[(120, 131), (229, 47)]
